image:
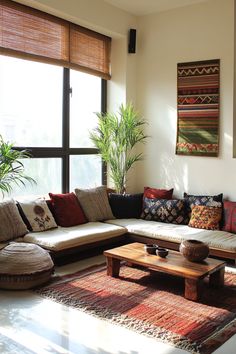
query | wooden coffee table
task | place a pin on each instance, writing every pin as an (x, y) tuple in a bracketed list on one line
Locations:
[(174, 264)]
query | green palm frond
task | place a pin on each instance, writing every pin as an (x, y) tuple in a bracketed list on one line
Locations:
[(11, 167), (115, 137)]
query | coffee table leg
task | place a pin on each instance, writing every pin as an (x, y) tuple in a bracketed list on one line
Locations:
[(192, 289), (113, 267), (217, 278)]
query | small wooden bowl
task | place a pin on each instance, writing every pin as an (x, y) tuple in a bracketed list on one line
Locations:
[(150, 248), (162, 252)]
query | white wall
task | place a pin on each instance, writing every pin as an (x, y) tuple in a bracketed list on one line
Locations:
[(197, 32)]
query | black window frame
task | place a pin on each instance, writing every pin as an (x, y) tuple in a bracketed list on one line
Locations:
[(66, 151)]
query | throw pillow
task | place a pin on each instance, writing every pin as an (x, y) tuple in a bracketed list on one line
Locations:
[(163, 210), (95, 204), (229, 216), (158, 193), (205, 217), (38, 214), (125, 206), (11, 224), (207, 200), (67, 210)]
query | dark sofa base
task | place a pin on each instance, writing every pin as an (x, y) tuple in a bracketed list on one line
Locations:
[(74, 254), (175, 246)]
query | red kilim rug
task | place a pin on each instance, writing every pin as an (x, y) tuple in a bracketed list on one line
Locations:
[(152, 304)]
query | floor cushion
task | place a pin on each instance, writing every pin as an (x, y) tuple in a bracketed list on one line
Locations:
[(24, 266)]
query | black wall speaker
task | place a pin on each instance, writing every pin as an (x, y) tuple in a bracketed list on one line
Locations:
[(132, 41)]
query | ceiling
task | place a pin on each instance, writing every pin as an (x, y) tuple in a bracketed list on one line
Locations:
[(145, 7)]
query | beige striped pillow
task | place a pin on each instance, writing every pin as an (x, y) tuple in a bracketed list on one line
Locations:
[(95, 204), (11, 223)]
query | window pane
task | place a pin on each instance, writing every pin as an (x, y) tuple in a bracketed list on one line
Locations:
[(85, 171), (30, 102), (47, 173), (85, 100)]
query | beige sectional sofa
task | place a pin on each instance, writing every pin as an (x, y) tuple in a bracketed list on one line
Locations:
[(66, 242), (69, 242)]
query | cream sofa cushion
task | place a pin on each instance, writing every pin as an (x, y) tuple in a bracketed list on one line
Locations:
[(67, 237), (177, 233)]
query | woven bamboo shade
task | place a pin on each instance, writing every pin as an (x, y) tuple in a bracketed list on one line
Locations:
[(32, 34)]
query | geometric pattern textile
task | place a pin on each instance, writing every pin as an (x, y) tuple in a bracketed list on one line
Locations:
[(163, 210), (152, 304), (198, 108), (207, 200), (205, 217)]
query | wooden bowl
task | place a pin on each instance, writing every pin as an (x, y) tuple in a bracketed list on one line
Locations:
[(162, 252), (150, 248), (194, 250)]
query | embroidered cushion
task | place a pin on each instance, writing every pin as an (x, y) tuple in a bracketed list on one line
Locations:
[(125, 206), (205, 217), (229, 216), (158, 193), (67, 210), (163, 210), (38, 214), (11, 223), (207, 200), (95, 204)]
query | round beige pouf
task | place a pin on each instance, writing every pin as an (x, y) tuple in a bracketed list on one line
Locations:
[(24, 266)]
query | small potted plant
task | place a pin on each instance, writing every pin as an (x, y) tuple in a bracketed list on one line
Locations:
[(115, 137), (11, 167)]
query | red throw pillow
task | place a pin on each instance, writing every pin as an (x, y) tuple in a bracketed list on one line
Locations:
[(154, 193), (67, 210), (229, 216)]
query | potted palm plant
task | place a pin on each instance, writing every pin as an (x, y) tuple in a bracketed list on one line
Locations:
[(115, 137), (11, 167)]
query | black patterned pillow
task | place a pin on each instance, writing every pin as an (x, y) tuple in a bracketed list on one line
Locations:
[(207, 200), (170, 211)]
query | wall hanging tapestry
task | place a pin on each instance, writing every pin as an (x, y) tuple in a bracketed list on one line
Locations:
[(198, 108), (152, 304)]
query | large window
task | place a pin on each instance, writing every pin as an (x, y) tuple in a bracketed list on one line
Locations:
[(50, 110)]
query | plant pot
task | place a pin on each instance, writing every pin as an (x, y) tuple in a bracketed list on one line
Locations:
[(194, 250)]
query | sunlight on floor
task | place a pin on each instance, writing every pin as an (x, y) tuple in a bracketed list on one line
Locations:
[(30, 324)]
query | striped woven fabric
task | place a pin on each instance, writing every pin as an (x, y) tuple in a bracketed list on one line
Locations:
[(152, 304), (198, 108)]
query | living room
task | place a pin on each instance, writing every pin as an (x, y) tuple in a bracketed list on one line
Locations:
[(179, 32)]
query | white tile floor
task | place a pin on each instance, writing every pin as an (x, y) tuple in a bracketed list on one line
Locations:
[(30, 324)]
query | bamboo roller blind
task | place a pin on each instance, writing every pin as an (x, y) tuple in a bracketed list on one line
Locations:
[(32, 34)]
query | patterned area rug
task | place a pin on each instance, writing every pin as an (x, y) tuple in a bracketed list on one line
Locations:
[(152, 304)]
